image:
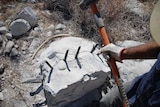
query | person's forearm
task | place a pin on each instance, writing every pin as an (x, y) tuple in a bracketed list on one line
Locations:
[(146, 51)]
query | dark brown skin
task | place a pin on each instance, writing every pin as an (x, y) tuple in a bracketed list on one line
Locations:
[(149, 50)]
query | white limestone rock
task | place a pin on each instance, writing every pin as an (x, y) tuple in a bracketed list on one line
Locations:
[(79, 86)]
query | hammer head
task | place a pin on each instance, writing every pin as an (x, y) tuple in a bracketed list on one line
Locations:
[(84, 4)]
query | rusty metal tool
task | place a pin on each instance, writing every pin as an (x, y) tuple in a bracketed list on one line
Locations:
[(100, 24)]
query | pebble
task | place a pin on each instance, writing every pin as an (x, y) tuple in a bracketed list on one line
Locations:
[(9, 36), (60, 27), (33, 33), (34, 44), (1, 24), (12, 86), (38, 29), (1, 52), (51, 27), (49, 33), (16, 46), (1, 96), (3, 30), (3, 78)]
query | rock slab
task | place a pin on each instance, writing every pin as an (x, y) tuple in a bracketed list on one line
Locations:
[(19, 27), (29, 15)]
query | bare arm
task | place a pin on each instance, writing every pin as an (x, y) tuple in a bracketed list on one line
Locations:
[(149, 50)]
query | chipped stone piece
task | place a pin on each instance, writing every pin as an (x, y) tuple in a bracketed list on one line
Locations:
[(8, 47), (14, 52), (34, 33)]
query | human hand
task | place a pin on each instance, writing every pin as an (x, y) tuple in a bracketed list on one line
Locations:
[(113, 50)]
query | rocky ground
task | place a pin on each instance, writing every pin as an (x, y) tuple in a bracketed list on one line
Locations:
[(124, 20)]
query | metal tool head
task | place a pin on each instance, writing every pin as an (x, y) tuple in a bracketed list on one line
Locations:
[(84, 4)]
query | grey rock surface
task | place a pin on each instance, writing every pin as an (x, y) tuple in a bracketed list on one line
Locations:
[(78, 94), (1, 96), (60, 27), (29, 15), (34, 44), (19, 27)]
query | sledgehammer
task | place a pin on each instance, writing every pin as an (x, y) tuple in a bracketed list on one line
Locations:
[(84, 4)]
